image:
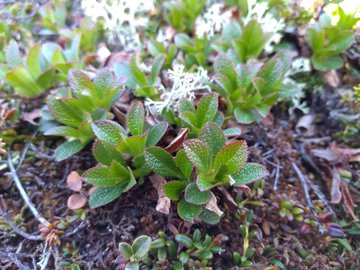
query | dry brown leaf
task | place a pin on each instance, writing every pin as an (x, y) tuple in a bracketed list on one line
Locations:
[(76, 201), (74, 181), (212, 206), (348, 201), (336, 155), (305, 125), (335, 187), (178, 141), (163, 204)]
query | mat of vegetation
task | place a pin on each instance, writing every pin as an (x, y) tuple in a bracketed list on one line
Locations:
[(179, 134)]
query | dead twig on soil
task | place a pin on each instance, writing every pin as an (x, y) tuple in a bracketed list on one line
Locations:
[(31, 237), (307, 195), (22, 191)]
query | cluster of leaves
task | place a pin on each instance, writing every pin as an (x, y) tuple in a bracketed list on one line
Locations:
[(182, 14), (141, 85), (78, 107), (328, 41), (114, 176), (243, 43), (252, 89), (216, 164), (180, 252), (44, 67), (196, 50)]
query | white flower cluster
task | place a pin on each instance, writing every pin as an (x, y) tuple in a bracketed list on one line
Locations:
[(121, 18), (269, 24), (184, 86), (212, 21)]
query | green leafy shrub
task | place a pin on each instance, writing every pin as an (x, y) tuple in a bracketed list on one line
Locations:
[(251, 89), (195, 50), (76, 109), (328, 41), (44, 67), (182, 14), (216, 164), (243, 43), (113, 176), (136, 252), (137, 80), (178, 252)]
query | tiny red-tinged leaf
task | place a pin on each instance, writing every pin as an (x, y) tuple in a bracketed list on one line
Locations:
[(232, 156), (178, 141), (74, 181), (76, 201), (214, 137)]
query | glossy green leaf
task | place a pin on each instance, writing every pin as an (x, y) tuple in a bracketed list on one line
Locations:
[(209, 217), (141, 246), (156, 67), (188, 211), (184, 164), (136, 72), (80, 84), (33, 61), (244, 117), (126, 250), (174, 189), (184, 240), (207, 109), (22, 81), (195, 196)]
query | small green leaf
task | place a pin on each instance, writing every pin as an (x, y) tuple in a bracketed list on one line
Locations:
[(64, 131), (125, 250), (80, 84), (204, 182), (206, 254), (105, 153), (156, 133), (232, 156), (184, 164), (136, 72), (174, 189), (161, 162), (120, 171), (67, 149), (207, 109), (33, 61), (67, 111), (100, 176), (136, 118), (209, 217), (184, 240), (107, 131), (195, 196), (249, 173), (23, 82), (132, 266), (156, 67), (188, 211), (12, 54), (104, 195), (141, 246), (133, 145), (214, 137), (198, 153), (244, 117)]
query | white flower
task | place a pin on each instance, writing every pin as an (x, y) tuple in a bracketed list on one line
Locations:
[(212, 21), (121, 18), (184, 86), (268, 22)]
